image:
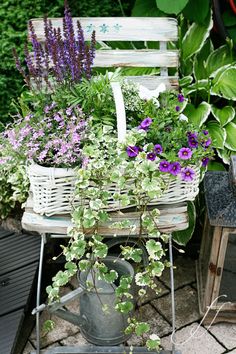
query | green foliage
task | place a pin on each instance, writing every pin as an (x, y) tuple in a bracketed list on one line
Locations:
[(171, 6)]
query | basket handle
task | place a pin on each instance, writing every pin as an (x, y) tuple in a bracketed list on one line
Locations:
[(120, 110)]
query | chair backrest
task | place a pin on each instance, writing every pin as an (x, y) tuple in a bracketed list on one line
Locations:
[(130, 29)]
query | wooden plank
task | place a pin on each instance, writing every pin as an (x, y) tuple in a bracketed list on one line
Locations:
[(136, 58), (172, 218), (119, 28), (152, 82)]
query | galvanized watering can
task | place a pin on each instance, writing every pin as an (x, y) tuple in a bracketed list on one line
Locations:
[(97, 326)]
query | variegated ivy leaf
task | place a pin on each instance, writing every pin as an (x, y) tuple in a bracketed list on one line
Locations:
[(194, 38), (157, 268), (223, 115), (225, 85), (217, 133), (198, 115), (230, 142), (154, 249)]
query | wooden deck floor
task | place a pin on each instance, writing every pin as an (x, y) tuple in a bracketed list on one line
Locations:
[(19, 258)]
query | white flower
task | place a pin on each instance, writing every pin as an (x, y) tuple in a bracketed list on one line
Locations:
[(182, 117)]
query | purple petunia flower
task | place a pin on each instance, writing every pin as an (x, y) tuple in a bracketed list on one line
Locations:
[(158, 149), (132, 151), (164, 166), (177, 108), (192, 140), (207, 143), (145, 123), (180, 98), (151, 156), (185, 153), (205, 132), (175, 168), (187, 174), (205, 161)]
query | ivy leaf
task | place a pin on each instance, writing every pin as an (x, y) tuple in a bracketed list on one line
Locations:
[(100, 250), (157, 269), (125, 306), (223, 115), (71, 268), (110, 277), (171, 6), (198, 115), (141, 328), (60, 279), (48, 326), (154, 249), (153, 343)]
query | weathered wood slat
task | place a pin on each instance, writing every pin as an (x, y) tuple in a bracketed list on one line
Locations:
[(120, 28), (172, 218), (136, 58), (152, 82)]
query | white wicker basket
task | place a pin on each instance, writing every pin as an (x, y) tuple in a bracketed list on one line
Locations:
[(54, 188)]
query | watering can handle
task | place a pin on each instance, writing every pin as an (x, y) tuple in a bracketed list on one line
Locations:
[(56, 308)]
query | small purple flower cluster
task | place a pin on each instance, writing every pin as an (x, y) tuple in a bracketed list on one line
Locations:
[(55, 140), (185, 153), (65, 56)]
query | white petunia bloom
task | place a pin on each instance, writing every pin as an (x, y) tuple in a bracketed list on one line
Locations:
[(182, 117), (146, 94)]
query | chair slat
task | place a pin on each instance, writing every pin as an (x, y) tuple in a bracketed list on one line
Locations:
[(136, 58), (120, 28)]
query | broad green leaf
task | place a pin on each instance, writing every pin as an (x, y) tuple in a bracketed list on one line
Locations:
[(220, 57), (229, 18), (215, 166), (223, 115), (217, 133), (187, 67), (198, 115), (225, 86), (224, 155), (171, 6), (199, 63), (185, 81), (125, 306), (194, 39), (232, 33), (230, 142), (196, 10), (201, 85), (146, 8), (183, 237)]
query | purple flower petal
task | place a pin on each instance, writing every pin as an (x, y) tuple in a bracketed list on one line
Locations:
[(185, 153), (205, 161), (145, 123), (187, 174), (180, 98), (158, 149), (151, 156), (177, 108), (164, 166), (175, 168), (132, 151)]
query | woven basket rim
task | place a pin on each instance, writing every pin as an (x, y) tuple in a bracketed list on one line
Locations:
[(35, 168)]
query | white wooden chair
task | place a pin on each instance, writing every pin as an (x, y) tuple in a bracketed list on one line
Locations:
[(132, 29)]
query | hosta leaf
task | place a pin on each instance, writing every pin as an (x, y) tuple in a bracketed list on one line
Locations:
[(182, 237), (199, 63), (224, 155), (223, 115), (220, 57), (171, 6), (198, 115), (197, 86), (217, 133), (185, 81), (196, 10), (146, 8), (230, 142), (225, 86), (194, 39)]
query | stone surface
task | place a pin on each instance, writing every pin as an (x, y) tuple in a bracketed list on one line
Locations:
[(186, 305), (184, 272), (151, 294), (225, 334), (77, 339), (28, 348), (63, 329), (158, 325), (232, 352), (190, 342)]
